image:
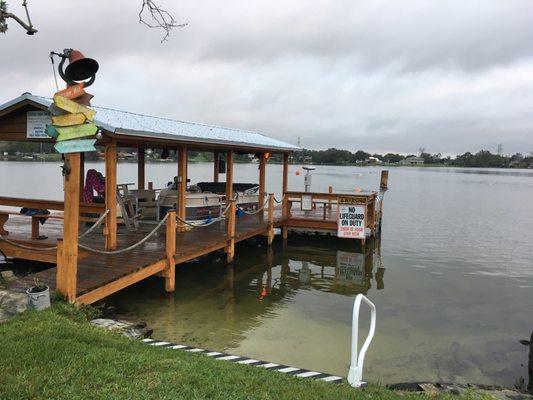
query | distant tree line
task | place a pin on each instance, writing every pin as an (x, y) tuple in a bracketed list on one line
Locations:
[(482, 159), (332, 156)]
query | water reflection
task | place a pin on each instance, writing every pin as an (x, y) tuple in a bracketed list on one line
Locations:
[(244, 306)]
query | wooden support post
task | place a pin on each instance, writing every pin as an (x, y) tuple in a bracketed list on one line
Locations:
[(330, 191), (384, 181), (262, 170), (230, 216), (82, 175), (270, 235), (216, 166), (34, 227), (67, 264), (140, 168), (111, 196), (285, 173), (182, 185), (170, 270), (230, 231), (229, 176), (285, 214)]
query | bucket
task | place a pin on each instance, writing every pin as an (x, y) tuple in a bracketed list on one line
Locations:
[(38, 300)]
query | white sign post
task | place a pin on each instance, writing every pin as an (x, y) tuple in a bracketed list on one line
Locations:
[(351, 221), (36, 122)]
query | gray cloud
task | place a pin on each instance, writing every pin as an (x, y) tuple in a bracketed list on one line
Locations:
[(450, 76)]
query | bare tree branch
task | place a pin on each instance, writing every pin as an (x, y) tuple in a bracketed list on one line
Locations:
[(4, 15), (158, 18)]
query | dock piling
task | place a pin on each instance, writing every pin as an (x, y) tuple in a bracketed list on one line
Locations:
[(170, 270)]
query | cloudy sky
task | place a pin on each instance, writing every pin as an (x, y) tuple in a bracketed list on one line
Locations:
[(449, 76)]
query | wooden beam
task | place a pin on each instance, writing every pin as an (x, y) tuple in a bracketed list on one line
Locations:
[(170, 271), (111, 196), (121, 283), (270, 234), (82, 175), (230, 232), (216, 166), (68, 249), (182, 185), (384, 181), (262, 176), (285, 213), (34, 227), (140, 168), (285, 173), (229, 176)]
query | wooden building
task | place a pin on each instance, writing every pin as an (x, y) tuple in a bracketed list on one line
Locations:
[(90, 265)]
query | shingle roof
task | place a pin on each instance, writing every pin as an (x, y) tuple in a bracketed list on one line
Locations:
[(132, 124)]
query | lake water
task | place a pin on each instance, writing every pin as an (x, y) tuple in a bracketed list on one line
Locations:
[(452, 277)]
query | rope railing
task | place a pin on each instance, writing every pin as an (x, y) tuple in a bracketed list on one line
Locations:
[(255, 211), (129, 248), (95, 225), (203, 225)]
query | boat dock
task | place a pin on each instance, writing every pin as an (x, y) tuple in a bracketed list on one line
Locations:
[(101, 248)]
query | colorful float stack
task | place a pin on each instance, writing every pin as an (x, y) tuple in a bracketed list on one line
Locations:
[(72, 121)]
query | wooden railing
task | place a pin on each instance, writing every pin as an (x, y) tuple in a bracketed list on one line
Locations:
[(319, 210)]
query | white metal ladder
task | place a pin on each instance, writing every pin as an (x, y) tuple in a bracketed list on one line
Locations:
[(355, 374)]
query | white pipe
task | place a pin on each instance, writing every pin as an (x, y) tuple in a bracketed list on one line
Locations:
[(355, 374)]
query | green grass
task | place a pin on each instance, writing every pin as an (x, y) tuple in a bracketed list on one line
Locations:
[(56, 354)]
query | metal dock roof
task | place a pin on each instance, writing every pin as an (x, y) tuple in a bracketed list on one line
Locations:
[(124, 123)]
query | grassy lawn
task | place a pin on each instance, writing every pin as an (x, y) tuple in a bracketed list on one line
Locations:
[(56, 354)]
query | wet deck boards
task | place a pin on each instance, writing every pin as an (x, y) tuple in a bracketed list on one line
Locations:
[(96, 270)]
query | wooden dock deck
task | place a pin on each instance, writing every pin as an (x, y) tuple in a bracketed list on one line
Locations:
[(98, 274)]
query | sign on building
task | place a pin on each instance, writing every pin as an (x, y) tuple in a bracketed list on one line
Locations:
[(36, 122), (351, 221)]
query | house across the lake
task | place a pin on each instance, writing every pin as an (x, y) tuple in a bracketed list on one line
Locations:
[(412, 160)]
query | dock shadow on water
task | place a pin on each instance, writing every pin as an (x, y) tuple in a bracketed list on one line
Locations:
[(292, 305)]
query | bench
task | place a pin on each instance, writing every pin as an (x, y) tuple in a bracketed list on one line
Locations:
[(35, 221)]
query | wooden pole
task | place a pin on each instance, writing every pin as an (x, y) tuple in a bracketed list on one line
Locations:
[(170, 271), (67, 265), (111, 196), (262, 168), (140, 168), (285, 214), (285, 173), (270, 235), (230, 216), (182, 184), (82, 175), (229, 176), (216, 166), (384, 181), (230, 232)]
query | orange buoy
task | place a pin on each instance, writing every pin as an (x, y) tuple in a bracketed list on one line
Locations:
[(297, 173)]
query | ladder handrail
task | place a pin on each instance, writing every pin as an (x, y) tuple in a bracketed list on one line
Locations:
[(355, 374)]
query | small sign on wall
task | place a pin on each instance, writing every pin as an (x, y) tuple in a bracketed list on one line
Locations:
[(351, 221), (307, 202), (36, 122)]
